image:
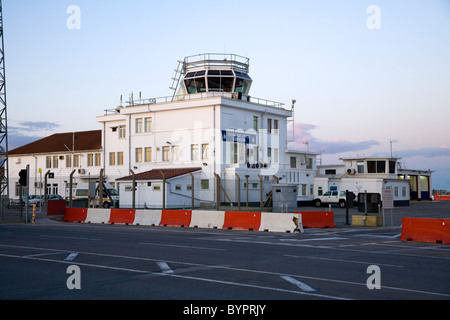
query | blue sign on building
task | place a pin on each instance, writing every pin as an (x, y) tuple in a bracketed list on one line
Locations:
[(242, 137)]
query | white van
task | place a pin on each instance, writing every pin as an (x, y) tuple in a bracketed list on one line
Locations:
[(82, 189)]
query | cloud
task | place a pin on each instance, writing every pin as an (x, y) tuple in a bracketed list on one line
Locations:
[(38, 126), (303, 137), (28, 131), (428, 152)]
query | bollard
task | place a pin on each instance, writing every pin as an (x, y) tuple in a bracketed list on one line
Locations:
[(33, 219)]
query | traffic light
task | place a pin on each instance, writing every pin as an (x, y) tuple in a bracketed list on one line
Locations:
[(23, 180), (350, 197)]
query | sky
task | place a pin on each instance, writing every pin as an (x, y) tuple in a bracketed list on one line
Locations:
[(366, 75)]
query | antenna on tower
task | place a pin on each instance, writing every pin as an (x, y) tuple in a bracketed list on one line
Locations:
[(4, 168)]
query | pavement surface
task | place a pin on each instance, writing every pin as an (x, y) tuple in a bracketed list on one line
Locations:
[(49, 259)]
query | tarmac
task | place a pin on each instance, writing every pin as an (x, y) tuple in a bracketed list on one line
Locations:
[(342, 219)]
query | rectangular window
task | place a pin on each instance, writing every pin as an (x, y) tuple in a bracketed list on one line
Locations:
[(235, 152), (392, 166), (68, 161), (138, 154), (194, 152), (304, 186), (205, 151), (381, 166), (396, 192), (275, 127), (269, 125), (376, 166), (148, 154), (166, 153), (255, 123), (76, 161), (55, 161), (112, 158), (48, 162), (293, 162), (360, 166), (120, 158), (275, 155), (205, 184), (139, 125), (122, 132), (98, 161), (148, 124), (90, 160), (403, 191)]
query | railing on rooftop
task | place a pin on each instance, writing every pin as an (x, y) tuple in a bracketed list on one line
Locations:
[(217, 59), (197, 96)]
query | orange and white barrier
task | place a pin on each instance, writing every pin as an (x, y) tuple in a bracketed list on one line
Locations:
[(175, 218), (238, 220), (426, 230), (317, 219), (75, 215), (442, 198), (207, 219), (233, 220), (147, 217)]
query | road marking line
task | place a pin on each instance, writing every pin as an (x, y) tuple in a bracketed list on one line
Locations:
[(164, 267), (64, 237), (178, 246), (71, 256), (317, 239), (346, 261), (215, 267), (303, 286)]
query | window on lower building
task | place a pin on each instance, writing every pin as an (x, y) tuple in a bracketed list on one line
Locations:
[(166, 153), (138, 154), (205, 184)]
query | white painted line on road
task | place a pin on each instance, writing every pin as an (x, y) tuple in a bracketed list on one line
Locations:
[(164, 267), (63, 237), (303, 286), (316, 239), (178, 246), (71, 256), (214, 267), (346, 261), (378, 236)]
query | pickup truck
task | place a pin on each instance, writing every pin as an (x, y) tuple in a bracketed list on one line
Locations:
[(331, 197)]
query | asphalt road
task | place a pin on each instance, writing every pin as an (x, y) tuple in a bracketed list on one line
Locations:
[(161, 263)]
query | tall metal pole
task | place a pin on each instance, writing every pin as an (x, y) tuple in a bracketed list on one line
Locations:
[(4, 168)]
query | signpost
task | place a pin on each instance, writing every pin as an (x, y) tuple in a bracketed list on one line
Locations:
[(388, 201)]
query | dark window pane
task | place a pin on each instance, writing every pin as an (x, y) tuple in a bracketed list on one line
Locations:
[(381, 166), (371, 167)]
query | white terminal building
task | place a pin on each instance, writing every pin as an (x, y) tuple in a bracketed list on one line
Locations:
[(210, 142)]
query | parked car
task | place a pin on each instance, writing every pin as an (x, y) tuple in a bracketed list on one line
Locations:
[(331, 197), (54, 197), (37, 200)]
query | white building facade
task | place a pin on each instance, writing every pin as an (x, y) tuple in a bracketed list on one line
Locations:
[(372, 175), (236, 143), (212, 124)]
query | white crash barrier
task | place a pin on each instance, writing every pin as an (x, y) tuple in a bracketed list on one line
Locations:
[(281, 222)]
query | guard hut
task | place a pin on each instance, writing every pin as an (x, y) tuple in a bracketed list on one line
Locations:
[(284, 197)]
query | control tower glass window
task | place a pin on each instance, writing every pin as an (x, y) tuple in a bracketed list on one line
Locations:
[(217, 81)]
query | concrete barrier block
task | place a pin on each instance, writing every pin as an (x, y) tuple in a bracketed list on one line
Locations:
[(147, 217), (208, 219)]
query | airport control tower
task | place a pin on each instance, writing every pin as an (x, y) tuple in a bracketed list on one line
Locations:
[(209, 73)]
